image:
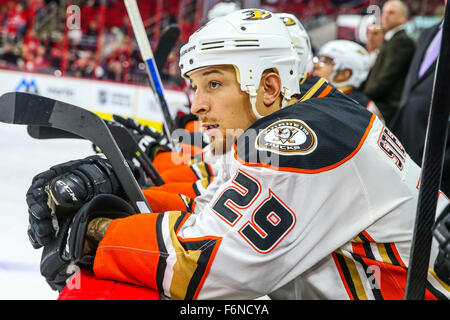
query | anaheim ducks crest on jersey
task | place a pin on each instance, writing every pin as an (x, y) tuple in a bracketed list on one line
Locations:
[(287, 137)]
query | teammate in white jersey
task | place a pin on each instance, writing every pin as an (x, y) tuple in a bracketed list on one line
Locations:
[(346, 64), (316, 200)]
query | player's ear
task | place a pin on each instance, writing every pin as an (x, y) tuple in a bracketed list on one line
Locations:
[(271, 85), (343, 75)]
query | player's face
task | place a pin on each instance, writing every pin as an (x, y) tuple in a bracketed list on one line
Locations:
[(223, 109), (323, 67)]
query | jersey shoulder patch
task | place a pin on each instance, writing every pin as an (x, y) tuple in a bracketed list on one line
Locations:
[(310, 136)]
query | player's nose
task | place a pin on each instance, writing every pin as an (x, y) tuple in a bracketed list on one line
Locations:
[(200, 104)]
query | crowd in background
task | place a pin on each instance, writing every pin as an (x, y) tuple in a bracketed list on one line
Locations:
[(79, 53)]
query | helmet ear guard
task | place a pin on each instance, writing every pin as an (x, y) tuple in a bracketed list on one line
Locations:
[(252, 40)]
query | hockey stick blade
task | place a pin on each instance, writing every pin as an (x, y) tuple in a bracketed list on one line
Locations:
[(30, 109), (127, 144), (43, 133), (166, 43)]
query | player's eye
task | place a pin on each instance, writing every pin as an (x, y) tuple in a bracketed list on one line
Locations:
[(214, 84)]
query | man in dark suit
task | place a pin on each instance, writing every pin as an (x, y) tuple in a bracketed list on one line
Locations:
[(387, 77), (410, 122)]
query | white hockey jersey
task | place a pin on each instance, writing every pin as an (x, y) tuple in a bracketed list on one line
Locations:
[(316, 201)]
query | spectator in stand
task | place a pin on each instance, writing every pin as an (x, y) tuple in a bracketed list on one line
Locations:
[(35, 5), (31, 40), (114, 71), (56, 51), (92, 30), (40, 60), (9, 56), (386, 79), (16, 23), (375, 37), (3, 15), (84, 65)]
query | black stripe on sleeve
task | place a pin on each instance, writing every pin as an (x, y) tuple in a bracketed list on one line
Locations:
[(369, 273), (162, 254), (347, 275)]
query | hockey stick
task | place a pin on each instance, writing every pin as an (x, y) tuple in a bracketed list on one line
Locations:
[(166, 43), (30, 109), (127, 144), (432, 163), (151, 68)]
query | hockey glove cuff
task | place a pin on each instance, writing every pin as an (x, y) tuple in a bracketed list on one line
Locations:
[(77, 240)]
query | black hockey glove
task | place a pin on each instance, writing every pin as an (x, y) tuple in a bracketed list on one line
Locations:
[(62, 190), (441, 232), (78, 238), (150, 141)]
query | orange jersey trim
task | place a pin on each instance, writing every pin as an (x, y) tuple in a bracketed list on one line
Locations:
[(325, 91)]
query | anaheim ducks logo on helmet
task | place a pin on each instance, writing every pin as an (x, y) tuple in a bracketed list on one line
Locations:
[(256, 14), (288, 21), (288, 137)]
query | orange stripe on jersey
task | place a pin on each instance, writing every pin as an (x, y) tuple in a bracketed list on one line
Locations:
[(309, 171), (358, 248), (325, 92), (161, 201), (367, 236), (386, 279)]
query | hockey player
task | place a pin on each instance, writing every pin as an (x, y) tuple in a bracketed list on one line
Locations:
[(222, 8), (315, 201), (301, 42), (345, 64)]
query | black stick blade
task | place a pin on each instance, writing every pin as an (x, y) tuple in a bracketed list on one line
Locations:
[(38, 132), (18, 108), (30, 109)]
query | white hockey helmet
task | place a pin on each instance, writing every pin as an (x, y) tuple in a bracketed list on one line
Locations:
[(252, 40), (347, 55), (221, 9), (300, 41)]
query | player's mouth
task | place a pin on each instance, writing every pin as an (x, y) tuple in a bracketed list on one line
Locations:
[(209, 128)]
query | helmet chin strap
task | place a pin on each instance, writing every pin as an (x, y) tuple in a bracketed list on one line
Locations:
[(252, 92), (286, 97)]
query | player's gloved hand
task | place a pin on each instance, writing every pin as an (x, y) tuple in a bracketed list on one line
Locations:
[(441, 232), (62, 190), (78, 238), (150, 141)]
